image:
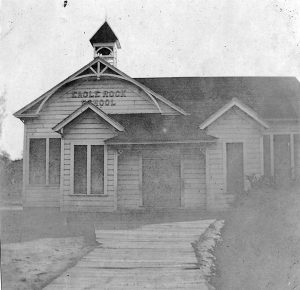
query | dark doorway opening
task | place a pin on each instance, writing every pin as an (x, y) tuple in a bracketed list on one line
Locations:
[(161, 181), (282, 159), (235, 167)]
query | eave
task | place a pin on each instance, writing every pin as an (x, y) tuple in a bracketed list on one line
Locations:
[(161, 142), (82, 109), (234, 102)]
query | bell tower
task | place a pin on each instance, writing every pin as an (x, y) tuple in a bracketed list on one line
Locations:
[(105, 44)]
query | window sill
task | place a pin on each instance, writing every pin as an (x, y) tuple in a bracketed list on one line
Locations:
[(89, 195), (42, 186)]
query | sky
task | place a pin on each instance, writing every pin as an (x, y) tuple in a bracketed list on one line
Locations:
[(43, 42)]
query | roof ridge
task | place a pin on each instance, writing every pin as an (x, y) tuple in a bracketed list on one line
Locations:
[(221, 77)]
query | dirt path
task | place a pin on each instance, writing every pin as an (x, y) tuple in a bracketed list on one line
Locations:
[(261, 248), (33, 264), (158, 256)]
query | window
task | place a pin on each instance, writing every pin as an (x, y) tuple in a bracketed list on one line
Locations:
[(97, 169), (88, 176), (44, 161), (104, 51), (37, 161), (54, 161), (80, 169)]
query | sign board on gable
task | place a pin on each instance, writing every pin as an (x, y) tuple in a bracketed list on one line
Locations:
[(100, 97)]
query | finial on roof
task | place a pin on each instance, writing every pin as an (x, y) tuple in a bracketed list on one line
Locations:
[(105, 15)]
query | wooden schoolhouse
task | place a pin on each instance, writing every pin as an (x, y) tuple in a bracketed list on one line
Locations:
[(103, 141)]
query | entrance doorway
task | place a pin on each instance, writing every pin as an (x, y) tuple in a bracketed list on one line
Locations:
[(161, 181), (235, 167), (282, 159)]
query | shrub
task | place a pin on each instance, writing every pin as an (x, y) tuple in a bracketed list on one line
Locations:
[(11, 172), (258, 180)]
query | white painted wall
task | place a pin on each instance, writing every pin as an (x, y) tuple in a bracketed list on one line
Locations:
[(233, 126)]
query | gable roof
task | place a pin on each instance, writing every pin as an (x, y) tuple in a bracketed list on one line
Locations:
[(96, 68), (228, 106), (270, 97), (82, 109), (105, 35)]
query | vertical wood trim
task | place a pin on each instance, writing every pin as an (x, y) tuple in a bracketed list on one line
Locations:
[(182, 190), (262, 169), (209, 194), (141, 178), (245, 163), (105, 169), (25, 161), (116, 179), (47, 161), (72, 168), (88, 171), (62, 169), (292, 151), (225, 166), (272, 154)]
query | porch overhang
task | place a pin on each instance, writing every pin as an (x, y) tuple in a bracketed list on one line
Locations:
[(162, 142)]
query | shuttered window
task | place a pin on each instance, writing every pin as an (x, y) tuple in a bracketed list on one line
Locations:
[(97, 169), (37, 161), (54, 160), (80, 169), (44, 161)]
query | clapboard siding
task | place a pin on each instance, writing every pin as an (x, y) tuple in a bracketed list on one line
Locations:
[(297, 155), (194, 188), (87, 128), (66, 186), (284, 127), (41, 196), (291, 128), (233, 126), (129, 194), (129, 182), (61, 104), (215, 174), (95, 129)]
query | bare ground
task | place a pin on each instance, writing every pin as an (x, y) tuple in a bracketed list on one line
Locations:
[(33, 264), (261, 242), (261, 247), (32, 239), (35, 223)]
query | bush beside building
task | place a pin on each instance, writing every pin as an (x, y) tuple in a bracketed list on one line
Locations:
[(11, 172)]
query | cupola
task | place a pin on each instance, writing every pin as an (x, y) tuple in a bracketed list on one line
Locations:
[(105, 44)]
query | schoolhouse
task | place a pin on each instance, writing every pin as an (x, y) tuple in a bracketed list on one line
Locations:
[(103, 141)]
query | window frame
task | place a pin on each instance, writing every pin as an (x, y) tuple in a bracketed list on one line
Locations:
[(29, 161), (26, 159), (89, 144)]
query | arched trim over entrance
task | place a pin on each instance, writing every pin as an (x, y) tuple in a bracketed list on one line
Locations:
[(97, 68)]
